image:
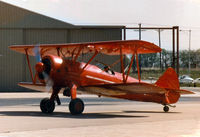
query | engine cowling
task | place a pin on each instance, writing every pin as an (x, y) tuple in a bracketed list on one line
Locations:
[(48, 67)]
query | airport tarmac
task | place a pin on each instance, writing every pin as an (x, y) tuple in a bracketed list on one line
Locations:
[(20, 116)]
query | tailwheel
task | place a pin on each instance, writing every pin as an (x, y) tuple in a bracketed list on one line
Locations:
[(47, 105), (166, 108), (76, 106)]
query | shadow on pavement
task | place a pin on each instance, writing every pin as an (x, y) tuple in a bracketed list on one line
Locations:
[(151, 112), (68, 115)]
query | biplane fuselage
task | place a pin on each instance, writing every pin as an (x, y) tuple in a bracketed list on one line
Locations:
[(70, 71), (65, 72)]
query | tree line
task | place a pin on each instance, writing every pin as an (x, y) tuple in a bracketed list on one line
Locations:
[(164, 59)]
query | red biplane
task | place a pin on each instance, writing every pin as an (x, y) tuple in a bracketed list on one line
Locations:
[(59, 66)]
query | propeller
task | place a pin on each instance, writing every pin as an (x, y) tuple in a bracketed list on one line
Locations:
[(42, 67), (129, 56), (36, 51), (48, 81)]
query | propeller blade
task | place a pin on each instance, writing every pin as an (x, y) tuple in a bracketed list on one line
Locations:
[(129, 56), (36, 51), (48, 81)]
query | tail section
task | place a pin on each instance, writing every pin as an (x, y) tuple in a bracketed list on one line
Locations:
[(169, 80)]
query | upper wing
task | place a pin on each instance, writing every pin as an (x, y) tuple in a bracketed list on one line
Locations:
[(107, 47)]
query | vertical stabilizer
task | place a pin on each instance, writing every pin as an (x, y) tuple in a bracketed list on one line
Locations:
[(169, 80)]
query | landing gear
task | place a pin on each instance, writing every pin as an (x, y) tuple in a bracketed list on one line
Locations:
[(47, 105), (58, 100), (67, 92), (76, 106), (165, 108)]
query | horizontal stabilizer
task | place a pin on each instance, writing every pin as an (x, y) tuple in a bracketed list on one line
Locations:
[(182, 92), (169, 80)]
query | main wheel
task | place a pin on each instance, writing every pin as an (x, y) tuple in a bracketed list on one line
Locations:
[(166, 108), (47, 105), (76, 106)]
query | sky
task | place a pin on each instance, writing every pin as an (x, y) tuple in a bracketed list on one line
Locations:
[(154, 13)]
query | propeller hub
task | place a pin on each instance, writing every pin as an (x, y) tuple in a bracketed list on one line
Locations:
[(39, 67)]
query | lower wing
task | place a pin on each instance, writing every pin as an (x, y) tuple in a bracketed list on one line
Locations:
[(36, 86), (112, 89), (130, 88), (122, 89)]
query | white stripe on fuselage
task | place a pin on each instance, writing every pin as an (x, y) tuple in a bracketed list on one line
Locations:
[(103, 80)]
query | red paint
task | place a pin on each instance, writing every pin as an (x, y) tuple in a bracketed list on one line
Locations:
[(70, 74)]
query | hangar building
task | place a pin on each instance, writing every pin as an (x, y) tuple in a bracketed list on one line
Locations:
[(20, 26)]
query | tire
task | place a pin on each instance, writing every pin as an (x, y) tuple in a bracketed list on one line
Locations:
[(165, 108), (47, 106), (76, 106)]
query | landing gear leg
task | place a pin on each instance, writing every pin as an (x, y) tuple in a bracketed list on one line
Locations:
[(76, 105), (58, 100), (48, 105)]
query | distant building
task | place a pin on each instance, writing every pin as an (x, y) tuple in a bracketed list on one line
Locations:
[(20, 26)]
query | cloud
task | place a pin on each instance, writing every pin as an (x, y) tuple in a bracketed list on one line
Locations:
[(55, 1), (183, 13)]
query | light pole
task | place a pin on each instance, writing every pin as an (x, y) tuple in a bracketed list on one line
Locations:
[(159, 40), (189, 68), (189, 49)]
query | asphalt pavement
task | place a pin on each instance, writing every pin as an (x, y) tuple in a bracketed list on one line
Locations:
[(20, 116)]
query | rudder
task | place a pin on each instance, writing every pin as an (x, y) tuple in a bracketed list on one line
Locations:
[(169, 80)]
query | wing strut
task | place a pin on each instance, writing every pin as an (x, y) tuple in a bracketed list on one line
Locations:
[(29, 65), (73, 52), (125, 78), (79, 50), (122, 65), (130, 65), (58, 51), (96, 52), (138, 68)]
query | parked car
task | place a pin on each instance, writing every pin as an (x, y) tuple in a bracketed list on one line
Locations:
[(197, 80), (185, 79)]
